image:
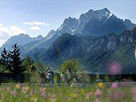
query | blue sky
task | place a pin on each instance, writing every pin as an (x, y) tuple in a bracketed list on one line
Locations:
[(36, 17)]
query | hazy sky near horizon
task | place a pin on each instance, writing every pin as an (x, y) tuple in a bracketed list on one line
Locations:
[(38, 17)]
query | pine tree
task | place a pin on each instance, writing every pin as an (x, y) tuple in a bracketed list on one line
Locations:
[(15, 61), (4, 61)]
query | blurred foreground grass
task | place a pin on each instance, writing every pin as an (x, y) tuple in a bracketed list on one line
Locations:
[(100, 92)]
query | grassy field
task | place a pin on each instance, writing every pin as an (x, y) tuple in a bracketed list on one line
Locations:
[(100, 92)]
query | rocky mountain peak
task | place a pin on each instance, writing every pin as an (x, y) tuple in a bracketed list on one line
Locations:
[(50, 34), (106, 10), (95, 22), (68, 26)]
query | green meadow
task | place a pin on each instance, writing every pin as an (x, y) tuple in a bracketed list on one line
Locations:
[(99, 92)]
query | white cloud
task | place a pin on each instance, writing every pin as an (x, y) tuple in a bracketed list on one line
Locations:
[(36, 23), (1, 25), (35, 28), (16, 30), (6, 32)]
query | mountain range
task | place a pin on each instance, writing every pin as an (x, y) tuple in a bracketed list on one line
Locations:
[(96, 23), (96, 39), (20, 39)]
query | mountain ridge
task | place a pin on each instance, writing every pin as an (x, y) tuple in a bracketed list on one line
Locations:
[(20, 39), (83, 24)]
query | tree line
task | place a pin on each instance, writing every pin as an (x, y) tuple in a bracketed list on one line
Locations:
[(11, 62), (69, 71)]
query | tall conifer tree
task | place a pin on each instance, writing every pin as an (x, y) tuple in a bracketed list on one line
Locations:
[(15, 61), (4, 60)]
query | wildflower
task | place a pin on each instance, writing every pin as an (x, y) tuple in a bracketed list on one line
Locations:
[(18, 86), (100, 85), (34, 98), (44, 96), (87, 95), (25, 89), (43, 89), (13, 93), (43, 92), (114, 85), (74, 95), (8, 89), (53, 97), (72, 85), (98, 93)]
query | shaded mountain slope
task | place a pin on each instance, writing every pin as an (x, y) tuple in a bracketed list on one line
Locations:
[(94, 53)]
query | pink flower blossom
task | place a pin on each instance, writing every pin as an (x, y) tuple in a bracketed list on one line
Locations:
[(43, 89), (114, 68), (8, 89), (98, 93), (43, 92), (13, 93), (114, 85)]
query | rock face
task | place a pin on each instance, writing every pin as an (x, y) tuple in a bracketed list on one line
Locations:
[(96, 23), (69, 26)]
